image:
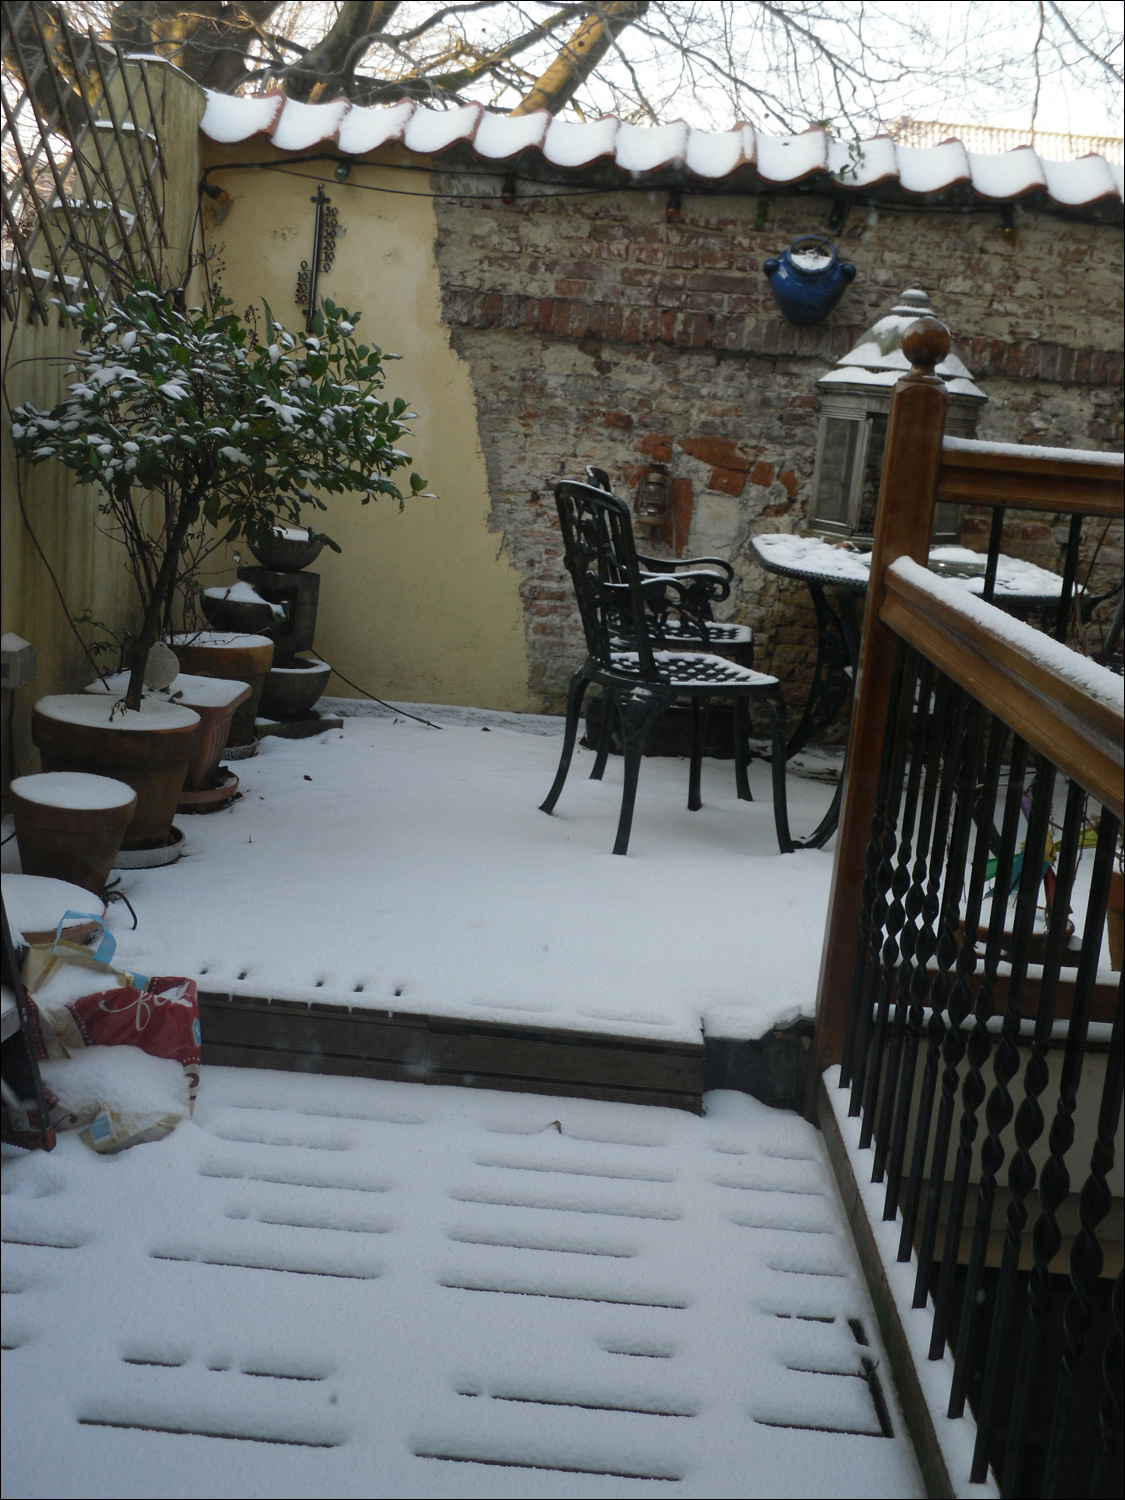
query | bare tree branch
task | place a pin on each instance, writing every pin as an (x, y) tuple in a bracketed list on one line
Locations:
[(580, 56)]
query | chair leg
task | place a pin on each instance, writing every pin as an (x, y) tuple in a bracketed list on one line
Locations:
[(695, 770), (605, 737), (741, 758), (638, 711), (775, 705), (576, 692)]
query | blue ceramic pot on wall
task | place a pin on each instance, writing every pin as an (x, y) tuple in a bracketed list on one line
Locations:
[(808, 279)]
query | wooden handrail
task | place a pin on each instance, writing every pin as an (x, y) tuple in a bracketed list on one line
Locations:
[(1011, 671), (1004, 475), (1080, 733), (904, 522)]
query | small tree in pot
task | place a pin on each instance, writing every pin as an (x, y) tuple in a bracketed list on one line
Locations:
[(197, 431)]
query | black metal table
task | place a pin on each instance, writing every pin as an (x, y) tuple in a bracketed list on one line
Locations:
[(837, 577)]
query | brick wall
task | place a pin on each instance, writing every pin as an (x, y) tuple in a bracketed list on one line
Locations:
[(599, 332)]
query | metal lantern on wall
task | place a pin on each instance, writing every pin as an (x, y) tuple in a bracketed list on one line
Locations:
[(855, 400)]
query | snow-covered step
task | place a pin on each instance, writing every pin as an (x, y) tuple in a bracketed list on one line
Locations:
[(331, 1286)]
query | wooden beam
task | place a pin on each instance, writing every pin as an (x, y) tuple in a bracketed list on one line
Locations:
[(974, 473), (1076, 732)]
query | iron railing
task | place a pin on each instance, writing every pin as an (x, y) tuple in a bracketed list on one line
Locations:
[(959, 1005), (963, 991)]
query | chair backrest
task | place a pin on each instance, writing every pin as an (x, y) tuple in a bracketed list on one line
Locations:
[(601, 558)]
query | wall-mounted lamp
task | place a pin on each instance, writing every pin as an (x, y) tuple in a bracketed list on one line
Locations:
[(675, 206), (508, 190), (343, 171), (650, 504)]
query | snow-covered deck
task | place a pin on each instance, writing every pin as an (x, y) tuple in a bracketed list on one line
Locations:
[(390, 866), (342, 1287)]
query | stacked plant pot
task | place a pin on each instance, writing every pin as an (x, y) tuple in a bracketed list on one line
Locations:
[(209, 785), (233, 655), (149, 749), (295, 681)]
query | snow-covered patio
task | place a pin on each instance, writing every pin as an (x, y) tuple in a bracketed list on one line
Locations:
[(345, 1287), (394, 866)]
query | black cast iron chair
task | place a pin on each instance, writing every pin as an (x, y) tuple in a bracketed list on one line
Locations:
[(708, 580), (626, 612)]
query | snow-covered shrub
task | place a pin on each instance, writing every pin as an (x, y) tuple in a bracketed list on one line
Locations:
[(197, 431)]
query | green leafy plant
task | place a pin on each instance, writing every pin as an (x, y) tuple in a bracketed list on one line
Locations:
[(197, 431)]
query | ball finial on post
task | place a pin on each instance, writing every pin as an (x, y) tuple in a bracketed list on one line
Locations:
[(926, 343)]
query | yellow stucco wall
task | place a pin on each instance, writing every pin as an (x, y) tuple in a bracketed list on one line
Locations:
[(421, 605)]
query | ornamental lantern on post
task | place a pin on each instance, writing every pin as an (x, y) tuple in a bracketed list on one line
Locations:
[(855, 400)]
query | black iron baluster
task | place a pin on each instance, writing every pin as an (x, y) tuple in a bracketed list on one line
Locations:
[(995, 536), (886, 955), (871, 860), (973, 1093), (947, 872), (1070, 570), (1055, 1181), (951, 710), (1086, 1258), (882, 881), (1105, 1480), (927, 756), (1000, 1108), (954, 1048)]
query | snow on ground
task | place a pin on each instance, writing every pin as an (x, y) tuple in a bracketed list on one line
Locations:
[(395, 866), (329, 1286)]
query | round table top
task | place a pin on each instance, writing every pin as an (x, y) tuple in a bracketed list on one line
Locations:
[(843, 566)]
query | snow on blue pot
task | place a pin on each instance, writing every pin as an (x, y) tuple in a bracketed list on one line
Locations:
[(808, 279)]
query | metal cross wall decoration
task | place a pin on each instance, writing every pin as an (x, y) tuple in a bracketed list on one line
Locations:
[(326, 227)]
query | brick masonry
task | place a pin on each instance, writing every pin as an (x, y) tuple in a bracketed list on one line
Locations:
[(597, 331)]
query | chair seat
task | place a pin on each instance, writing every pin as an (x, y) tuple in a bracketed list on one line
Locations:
[(717, 635), (685, 670)]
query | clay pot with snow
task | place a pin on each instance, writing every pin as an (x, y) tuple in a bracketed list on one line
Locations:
[(288, 549), (232, 657), (70, 824), (36, 904), (150, 749), (239, 607), (292, 688), (214, 699)]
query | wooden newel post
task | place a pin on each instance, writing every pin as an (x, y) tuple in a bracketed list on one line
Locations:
[(903, 526)]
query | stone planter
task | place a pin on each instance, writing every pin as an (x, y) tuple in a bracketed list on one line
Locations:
[(238, 607), (69, 825), (292, 689), (288, 550), (233, 657), (150, 750), (214, 699)]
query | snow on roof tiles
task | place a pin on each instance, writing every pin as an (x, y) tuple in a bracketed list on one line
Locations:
[(366, 130), (431, 130), (709, 155), (571, 145)]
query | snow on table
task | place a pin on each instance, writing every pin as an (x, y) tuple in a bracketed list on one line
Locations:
[(397, 867), (342, 1287)]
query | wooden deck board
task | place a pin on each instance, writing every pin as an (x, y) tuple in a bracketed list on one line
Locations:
[(254, 1031)]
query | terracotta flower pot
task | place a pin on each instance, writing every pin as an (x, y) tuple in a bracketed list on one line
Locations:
[(241, 658), (69, 825), (150, 750), (214, 699)]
